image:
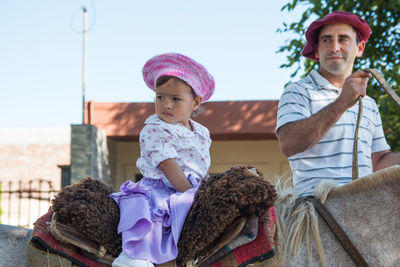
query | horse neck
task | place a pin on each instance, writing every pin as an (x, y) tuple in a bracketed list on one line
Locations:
[(362, 199), (368, 210), (354, 206)]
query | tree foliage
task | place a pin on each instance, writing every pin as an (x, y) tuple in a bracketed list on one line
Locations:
[(382, 50)]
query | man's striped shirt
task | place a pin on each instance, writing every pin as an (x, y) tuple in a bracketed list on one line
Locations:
[(331, 157)]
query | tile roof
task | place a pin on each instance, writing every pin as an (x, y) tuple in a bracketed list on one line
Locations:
[(226, 120)]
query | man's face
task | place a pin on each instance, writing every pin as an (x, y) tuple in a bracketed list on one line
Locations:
[(338, 48)]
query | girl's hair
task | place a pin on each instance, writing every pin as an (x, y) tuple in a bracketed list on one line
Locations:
[(164, 79)]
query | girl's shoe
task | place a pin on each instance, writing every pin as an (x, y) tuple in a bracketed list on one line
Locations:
[(123, 260)]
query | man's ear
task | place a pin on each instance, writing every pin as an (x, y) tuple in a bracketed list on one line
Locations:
[(361, 48), (316, 53), (197, 102)]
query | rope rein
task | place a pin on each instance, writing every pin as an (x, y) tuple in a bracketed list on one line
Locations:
[(378, 76), (355, 144)]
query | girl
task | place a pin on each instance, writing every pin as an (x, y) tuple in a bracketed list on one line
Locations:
[(174, 159)]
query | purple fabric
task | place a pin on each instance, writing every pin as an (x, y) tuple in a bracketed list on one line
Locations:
[(151, 218)]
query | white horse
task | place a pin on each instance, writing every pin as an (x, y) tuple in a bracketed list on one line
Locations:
[(367, 209)]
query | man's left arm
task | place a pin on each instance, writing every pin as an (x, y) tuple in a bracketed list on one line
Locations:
[(384, 159)]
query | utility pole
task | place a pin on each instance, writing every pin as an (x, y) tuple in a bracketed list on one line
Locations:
[(84, 63)]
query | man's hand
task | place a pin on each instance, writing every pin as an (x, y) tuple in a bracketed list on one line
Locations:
[(354, 86)]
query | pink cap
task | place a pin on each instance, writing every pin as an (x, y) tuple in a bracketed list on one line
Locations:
[(312, 33), (182, 67)]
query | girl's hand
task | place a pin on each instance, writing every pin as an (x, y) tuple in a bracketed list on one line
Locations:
[(175, 175)]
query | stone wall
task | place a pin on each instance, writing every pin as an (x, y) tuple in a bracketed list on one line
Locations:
[(89, 153)]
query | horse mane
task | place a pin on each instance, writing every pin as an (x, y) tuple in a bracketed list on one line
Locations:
[(295, 225), (301, 224)]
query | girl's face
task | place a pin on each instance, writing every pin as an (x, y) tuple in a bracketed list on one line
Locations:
[(175, 102)]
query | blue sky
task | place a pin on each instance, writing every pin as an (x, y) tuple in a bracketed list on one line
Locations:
[(41, 52)]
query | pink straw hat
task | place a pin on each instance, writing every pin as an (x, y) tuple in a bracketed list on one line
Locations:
[(182, 67), (312, 33)]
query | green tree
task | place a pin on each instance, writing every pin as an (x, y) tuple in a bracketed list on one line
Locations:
[(382, 49)]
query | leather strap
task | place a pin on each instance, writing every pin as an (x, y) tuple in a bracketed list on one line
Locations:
[(339, 233)]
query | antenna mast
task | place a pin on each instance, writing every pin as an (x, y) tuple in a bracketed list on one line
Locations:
[(84, 63)]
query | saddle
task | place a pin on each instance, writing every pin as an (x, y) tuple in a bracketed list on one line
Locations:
[(44, 249), (256, 232), (67, 234), (241, 227), (251, 238)]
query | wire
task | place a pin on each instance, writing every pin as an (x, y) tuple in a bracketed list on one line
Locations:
[(72, 25), (93, 22), (94, 17)]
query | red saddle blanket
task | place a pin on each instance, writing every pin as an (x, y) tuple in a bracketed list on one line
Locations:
[(258, 250)]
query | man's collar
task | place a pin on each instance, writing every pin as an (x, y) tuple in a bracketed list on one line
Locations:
[(320, 81)]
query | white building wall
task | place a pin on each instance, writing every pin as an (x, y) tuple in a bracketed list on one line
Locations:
[(30, 154)]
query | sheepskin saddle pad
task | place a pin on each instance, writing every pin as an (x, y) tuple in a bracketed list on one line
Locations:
[(238, 192), (86, 207)]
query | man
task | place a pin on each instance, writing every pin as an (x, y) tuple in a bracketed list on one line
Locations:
[(317, 115)]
